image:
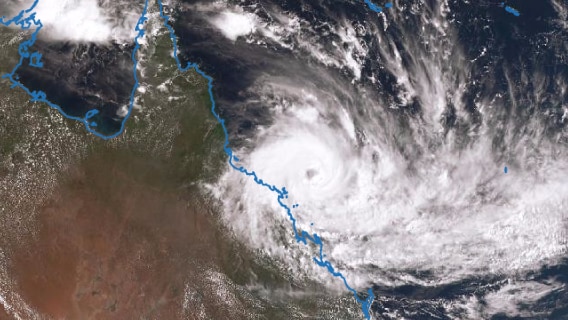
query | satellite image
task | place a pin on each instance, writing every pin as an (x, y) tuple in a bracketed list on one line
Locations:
[(283, 159)]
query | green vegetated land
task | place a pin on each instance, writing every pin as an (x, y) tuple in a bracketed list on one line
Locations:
[(121, 228)]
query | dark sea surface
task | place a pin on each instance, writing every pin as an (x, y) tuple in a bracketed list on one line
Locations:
[(523, 56), (518, 63)]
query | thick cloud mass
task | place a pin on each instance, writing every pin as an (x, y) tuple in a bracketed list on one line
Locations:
[(92, 21), (392, 131), (86, 55)]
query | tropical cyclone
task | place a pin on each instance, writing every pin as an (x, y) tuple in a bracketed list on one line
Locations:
[(391, 132)]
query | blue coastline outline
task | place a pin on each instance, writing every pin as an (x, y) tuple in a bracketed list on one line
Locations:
[(26, 19), (281, 193), (27, 22), (511, 10), (378, 9)]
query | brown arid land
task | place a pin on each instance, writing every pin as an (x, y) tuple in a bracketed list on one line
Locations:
[(121, 228)]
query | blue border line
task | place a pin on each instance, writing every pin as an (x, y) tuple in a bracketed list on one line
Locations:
[(281, 193), (510, 10), (377, 8), (26, 22)]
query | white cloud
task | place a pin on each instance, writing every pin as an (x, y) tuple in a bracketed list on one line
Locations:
[(234, 25), (84, 20)]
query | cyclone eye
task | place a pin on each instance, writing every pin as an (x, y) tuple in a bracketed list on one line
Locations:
[(310, 173)]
